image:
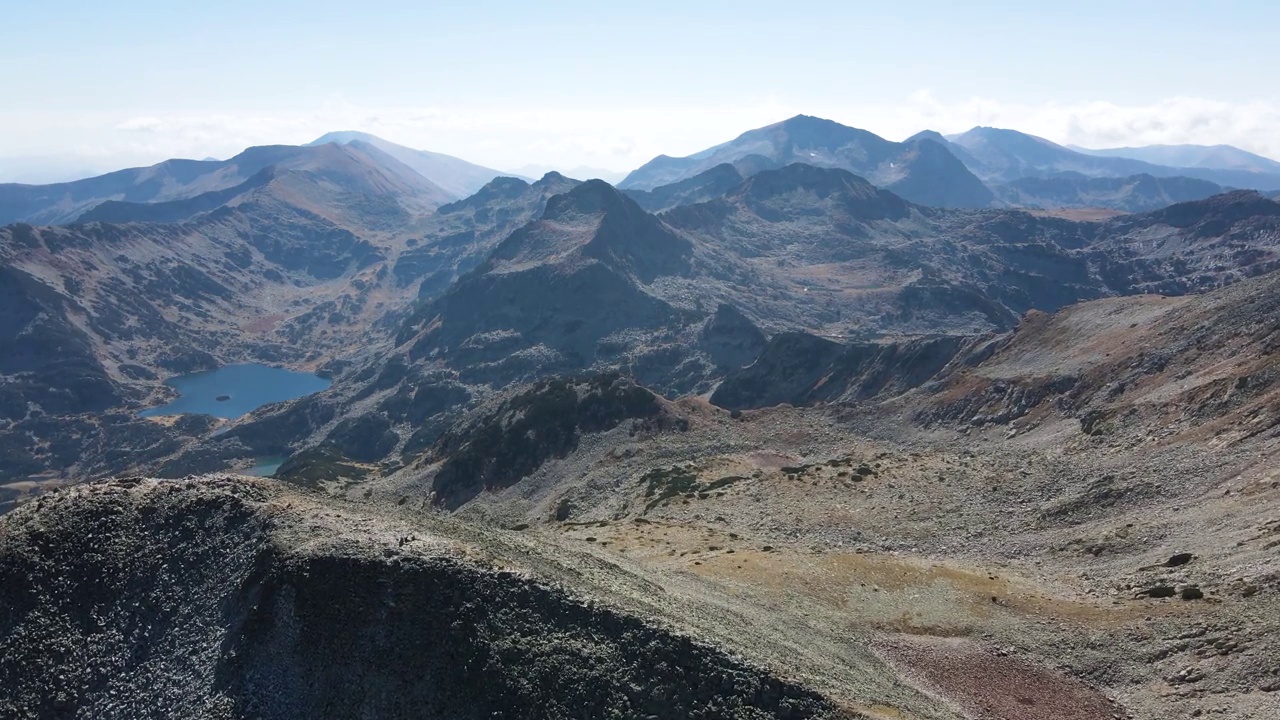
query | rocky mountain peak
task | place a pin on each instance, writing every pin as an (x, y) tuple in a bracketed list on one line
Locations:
[(591, 197), (933, 135), (497, 189)]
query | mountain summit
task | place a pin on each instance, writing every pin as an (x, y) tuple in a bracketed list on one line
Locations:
[(357, 168), (455, 175), (922, 170)]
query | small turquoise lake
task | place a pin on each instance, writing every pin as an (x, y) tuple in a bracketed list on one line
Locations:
[(265, 466), (242, 389)]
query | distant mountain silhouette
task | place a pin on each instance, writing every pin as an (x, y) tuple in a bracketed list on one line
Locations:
[(458, 177), (921, 171), (581, 172), (702, 187), (1132, 194), (358, 169), (1213, 157), (354, 185), (997, 155)]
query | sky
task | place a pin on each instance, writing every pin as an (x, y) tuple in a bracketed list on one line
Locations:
[(94, 86)]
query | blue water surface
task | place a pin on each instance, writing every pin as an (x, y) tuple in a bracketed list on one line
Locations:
[(264, 466), (248, 386)]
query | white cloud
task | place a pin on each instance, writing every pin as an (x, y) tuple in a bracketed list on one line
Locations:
[(141, 124), (1179, 120), (617, 138)]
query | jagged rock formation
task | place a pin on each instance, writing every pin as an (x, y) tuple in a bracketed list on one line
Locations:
[(731, 339), (554, 290)]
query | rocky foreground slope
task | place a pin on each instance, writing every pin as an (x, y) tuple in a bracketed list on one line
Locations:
[(229, 598)]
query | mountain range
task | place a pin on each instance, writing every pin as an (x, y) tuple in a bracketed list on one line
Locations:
[(920, 170), (346, 162), (1000, 155), (983, 167), (1211, 157), (811, 424), (593, 283)]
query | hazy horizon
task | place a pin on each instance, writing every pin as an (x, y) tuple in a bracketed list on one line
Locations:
[(510, 87)]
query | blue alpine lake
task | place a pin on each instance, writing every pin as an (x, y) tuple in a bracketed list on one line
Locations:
[(235, 390), (265, 466)]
